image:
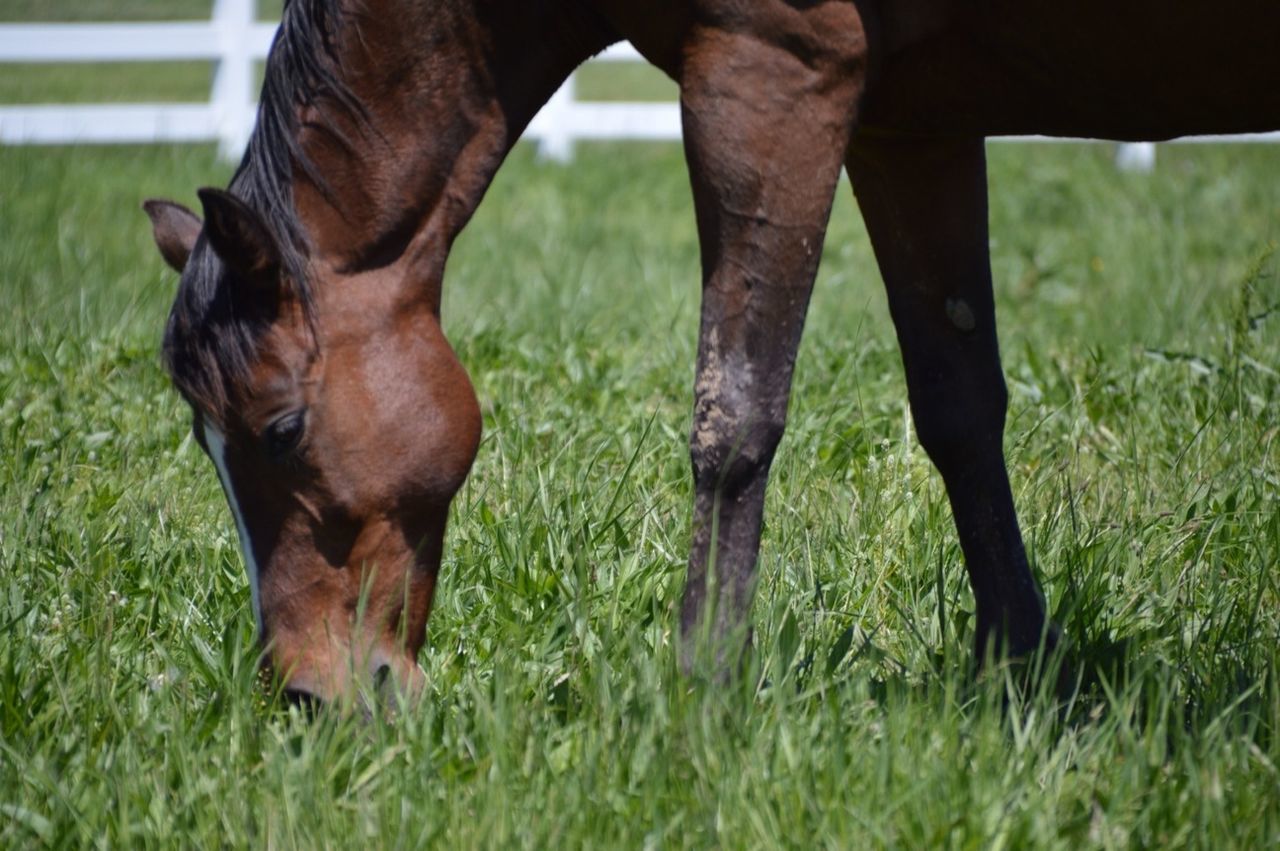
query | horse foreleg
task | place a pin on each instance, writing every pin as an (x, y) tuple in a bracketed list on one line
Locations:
[(925, 208), (766, 123)]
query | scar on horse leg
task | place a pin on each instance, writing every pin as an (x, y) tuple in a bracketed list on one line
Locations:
[(925, 207), (764, 174)]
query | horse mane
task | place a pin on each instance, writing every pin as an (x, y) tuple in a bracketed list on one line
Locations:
[(208, 345)]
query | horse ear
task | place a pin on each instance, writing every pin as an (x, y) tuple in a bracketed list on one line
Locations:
[(238, 235), (175, 229)]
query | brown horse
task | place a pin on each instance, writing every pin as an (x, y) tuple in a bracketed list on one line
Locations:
[(306, 337)]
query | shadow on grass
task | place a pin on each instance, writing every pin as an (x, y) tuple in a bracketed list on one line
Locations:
[(1131, 681)]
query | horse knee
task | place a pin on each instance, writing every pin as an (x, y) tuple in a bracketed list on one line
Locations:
[(960, 423), (732, 447)]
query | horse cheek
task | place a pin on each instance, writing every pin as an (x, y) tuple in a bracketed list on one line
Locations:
[(456, 422)]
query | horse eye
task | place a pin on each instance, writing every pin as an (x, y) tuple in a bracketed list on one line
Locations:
[(284, 435)]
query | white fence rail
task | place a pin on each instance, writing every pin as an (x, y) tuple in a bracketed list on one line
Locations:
[(235, 41)]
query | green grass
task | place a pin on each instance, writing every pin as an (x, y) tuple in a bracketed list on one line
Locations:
[(107, 82), (120, 10), (626, 81), (1142, 355)]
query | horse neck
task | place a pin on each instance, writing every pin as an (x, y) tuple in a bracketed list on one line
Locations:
[(445, 90)]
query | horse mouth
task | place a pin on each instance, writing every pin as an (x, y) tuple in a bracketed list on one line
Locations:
[(308, 705), (382, 695)]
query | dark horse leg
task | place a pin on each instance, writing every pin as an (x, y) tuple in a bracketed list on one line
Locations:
[(764, 171), (925, 207)]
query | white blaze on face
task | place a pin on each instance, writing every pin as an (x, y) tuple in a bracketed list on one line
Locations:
[(218, 452)]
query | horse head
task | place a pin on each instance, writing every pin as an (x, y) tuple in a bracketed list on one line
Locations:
[(341, 425)]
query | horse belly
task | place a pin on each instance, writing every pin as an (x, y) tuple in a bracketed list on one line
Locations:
[(1138, 70)]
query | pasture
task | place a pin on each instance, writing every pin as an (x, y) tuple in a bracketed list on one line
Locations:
[(1140, 320)]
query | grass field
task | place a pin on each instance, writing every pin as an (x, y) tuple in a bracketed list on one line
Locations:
[(1141, 336)]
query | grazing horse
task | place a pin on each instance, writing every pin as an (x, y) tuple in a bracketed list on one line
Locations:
[(306, 330)]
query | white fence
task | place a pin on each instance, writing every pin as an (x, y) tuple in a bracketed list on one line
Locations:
[(235, 40)]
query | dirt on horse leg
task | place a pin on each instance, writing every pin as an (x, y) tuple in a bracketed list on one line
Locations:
[(764, 170), (925, 207)]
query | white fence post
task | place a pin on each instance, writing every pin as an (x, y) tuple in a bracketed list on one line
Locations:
[(1136, 156), (556, 143), (232, 95)]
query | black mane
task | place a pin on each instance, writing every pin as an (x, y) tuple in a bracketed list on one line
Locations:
[(209, 345)]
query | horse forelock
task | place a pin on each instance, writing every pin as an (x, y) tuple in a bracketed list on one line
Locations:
[(209, 347)]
